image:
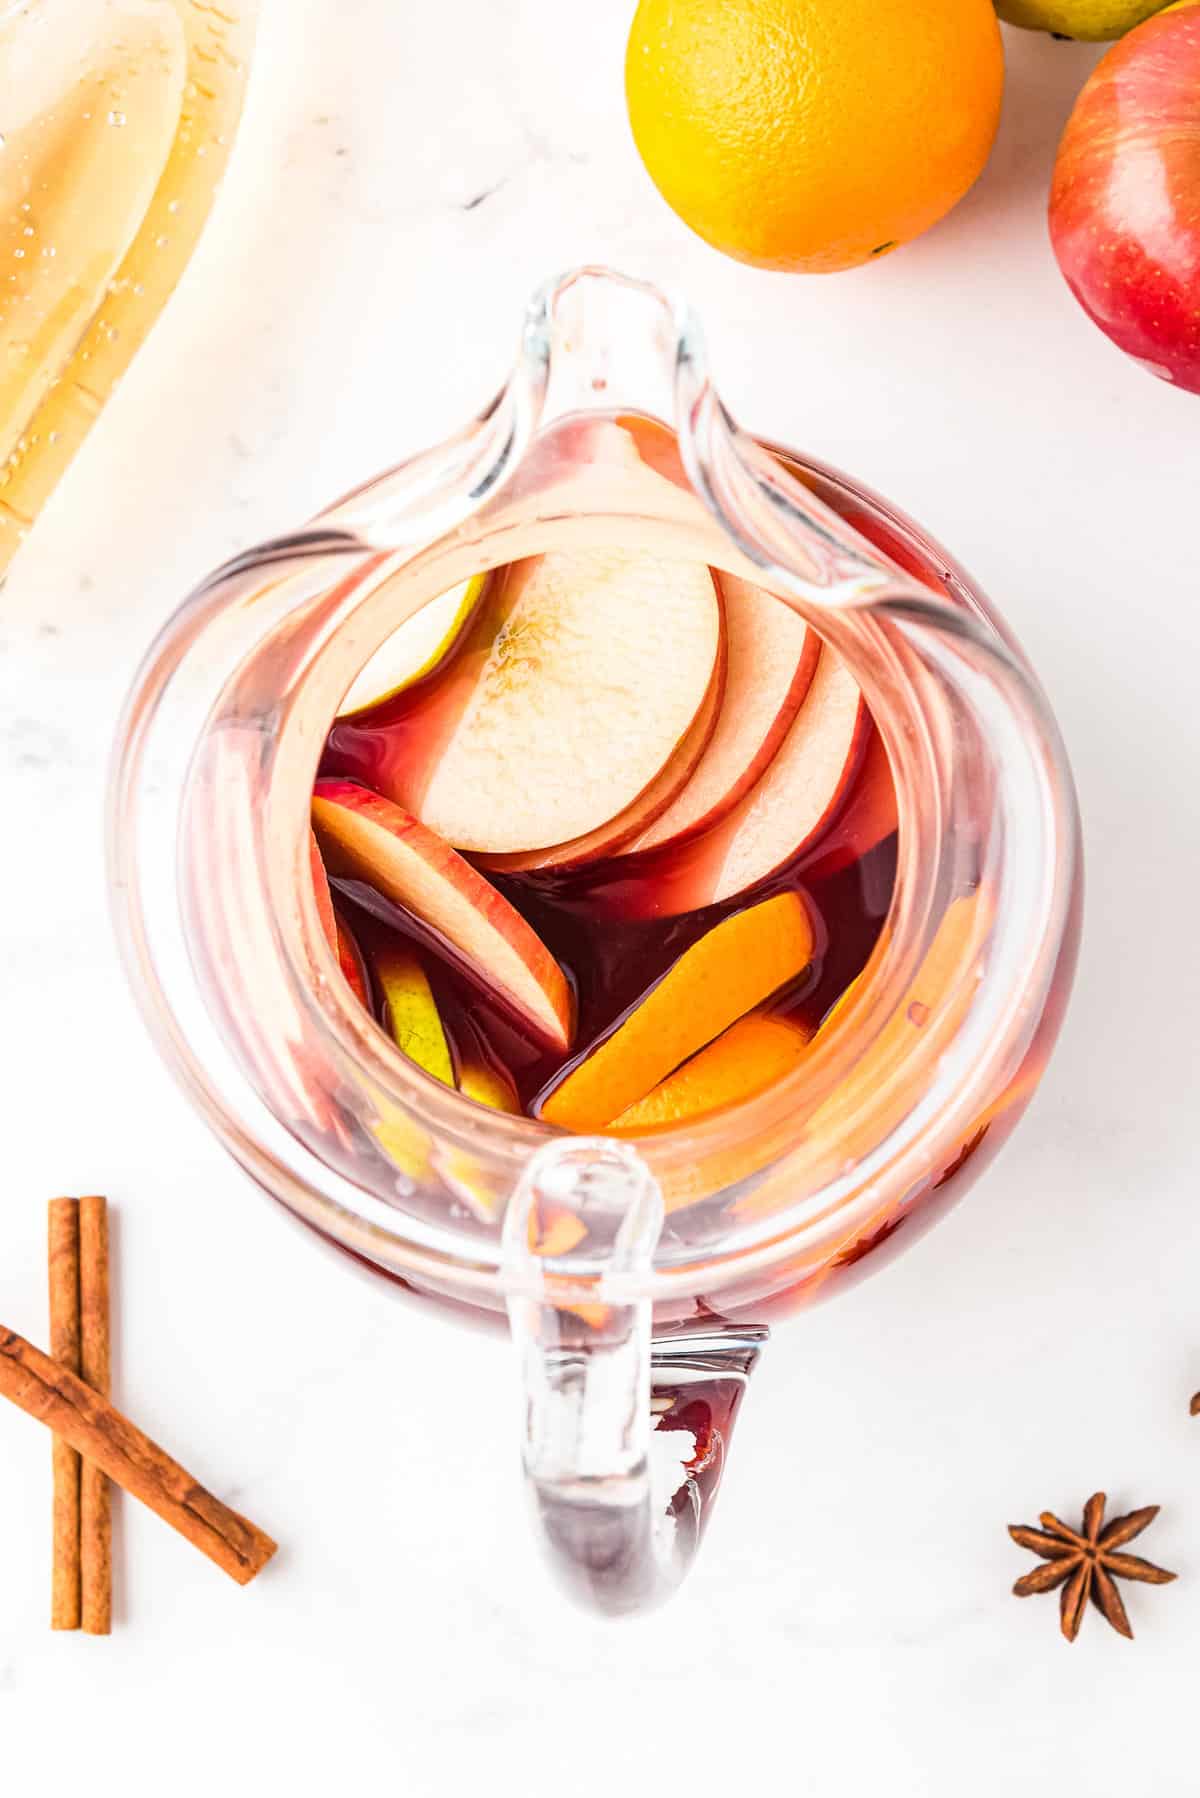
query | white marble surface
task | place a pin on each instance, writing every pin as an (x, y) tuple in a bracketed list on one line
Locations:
[(407, 173)]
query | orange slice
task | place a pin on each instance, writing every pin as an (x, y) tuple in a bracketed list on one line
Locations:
[(744, 1060), (738, 964)]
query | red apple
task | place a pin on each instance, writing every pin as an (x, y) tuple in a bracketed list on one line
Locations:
[(368, 838), (1125, 201), (410, 1008), (416, 649)]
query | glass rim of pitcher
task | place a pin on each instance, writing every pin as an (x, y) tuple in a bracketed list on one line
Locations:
[(442, 1251)]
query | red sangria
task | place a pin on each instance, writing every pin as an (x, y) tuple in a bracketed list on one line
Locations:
[(605, 842), (603, 838)]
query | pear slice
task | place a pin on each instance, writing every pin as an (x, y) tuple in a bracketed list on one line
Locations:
[(478, 1081), (415, 648), (412, 1015)]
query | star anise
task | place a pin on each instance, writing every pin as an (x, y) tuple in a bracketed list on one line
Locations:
[(1084, 1563)]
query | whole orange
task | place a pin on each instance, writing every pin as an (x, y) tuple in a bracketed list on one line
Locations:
[(813, 134)]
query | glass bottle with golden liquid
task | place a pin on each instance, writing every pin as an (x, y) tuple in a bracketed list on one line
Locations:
[(116, 120)]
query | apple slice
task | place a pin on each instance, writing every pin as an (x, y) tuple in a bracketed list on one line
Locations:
[(412, 1015), (731, 969), (415, 649), (480, 1076), (612, 838), (772, 657), (321, 892), (338, 934), (351, 962), (366, 837), (806, 781), (579, 678)]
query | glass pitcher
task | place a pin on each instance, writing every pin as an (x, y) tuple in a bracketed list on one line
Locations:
[(692, 1238), (116, 120)]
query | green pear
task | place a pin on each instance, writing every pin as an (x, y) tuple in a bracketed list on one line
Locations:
[(1093, 20)]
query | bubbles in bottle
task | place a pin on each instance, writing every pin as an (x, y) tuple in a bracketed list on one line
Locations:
[(124, 96)]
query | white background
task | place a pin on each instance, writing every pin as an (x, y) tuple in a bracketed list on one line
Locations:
[(849, 1629)]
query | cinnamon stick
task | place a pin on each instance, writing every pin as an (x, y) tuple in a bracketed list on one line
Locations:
[(95, 1496), (56, 1396), (65, 1588)]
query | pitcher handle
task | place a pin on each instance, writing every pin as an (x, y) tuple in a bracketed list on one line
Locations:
[(580, 1234)]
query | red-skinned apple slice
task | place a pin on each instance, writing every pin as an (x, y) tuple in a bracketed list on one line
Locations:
[(366, 837), (613, 837), (772, 657), (351, 962), (870, 815), (415, 649), (321, 892), (786, 811), (580, 677), (338, 934)]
